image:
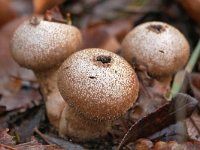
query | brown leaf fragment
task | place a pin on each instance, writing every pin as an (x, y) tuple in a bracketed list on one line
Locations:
[(143, 144), (5, 138), (163, 117), (151, 95), (193, 126), (194, 83), (54, 15), (172, 145), (40, 6), (22, 100)]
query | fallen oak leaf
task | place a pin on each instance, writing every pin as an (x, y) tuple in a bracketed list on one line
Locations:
[(164, 116)]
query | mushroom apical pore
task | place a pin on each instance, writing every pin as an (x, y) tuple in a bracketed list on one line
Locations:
[(99, 86), (158, 46), (42, 46)]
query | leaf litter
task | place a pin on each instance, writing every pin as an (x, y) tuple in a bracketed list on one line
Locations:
[(21, 104)]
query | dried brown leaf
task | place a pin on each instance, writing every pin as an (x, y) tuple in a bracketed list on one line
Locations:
[(193, 126), (169, 113), (42, 6)]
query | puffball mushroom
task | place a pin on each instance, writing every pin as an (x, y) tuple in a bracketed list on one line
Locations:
[(42, 46), (98, 86), (158, 46)]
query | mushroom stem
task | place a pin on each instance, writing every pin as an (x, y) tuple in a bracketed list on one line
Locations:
[(53, 100), (165, 84), (76, 125)]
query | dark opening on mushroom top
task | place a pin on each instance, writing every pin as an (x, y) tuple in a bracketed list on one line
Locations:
[(98, 84), (158, 46), (40, 45)]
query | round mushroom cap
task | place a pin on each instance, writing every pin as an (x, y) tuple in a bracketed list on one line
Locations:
[(40, 45), (158, 46), (98, 84)]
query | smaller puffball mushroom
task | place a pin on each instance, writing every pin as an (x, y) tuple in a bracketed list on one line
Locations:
[(42, 46), (98, 86), (157, 46)]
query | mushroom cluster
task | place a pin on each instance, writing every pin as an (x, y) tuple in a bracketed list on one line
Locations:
[(84, 91)]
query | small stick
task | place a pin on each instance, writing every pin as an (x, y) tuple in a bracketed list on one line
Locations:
[(7, 147)]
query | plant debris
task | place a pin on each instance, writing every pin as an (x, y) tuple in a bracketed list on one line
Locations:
[(164, 116)]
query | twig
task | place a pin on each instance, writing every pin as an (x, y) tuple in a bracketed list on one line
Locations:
[(41, 135), (7, 147)]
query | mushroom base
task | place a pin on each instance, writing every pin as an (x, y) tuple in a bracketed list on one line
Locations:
[(81, 129), (53, 100), (164, 84)]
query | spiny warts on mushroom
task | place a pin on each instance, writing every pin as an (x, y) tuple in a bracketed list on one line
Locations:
[(42, 46), (99, 86), (158, 47)]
